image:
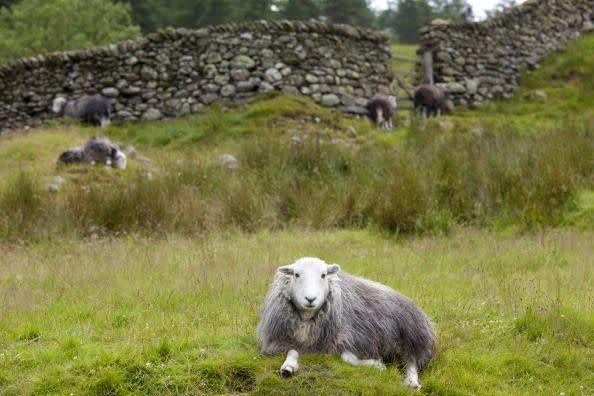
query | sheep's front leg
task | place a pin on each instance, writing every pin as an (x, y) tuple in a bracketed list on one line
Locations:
[(350, 358), (104, 122), (411, 378), (379, 120), (390, 126), (290, 366)]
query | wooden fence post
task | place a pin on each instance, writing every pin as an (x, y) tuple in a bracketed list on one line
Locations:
[(428, 67)]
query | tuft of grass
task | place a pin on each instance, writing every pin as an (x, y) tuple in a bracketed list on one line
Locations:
[(22, 205), (401, 200), (539, 323), (30, 334), (107, 382)]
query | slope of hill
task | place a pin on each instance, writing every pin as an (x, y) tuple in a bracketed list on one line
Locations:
[(462, 169), (149, 280)]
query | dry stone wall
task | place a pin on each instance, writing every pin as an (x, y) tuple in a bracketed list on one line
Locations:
[(481, 61), (175, 72)]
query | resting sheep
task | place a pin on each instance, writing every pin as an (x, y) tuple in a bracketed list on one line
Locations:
[(381, 108), (72, 156), (430, 100), (93, 109), (313, 307), (97, 149)]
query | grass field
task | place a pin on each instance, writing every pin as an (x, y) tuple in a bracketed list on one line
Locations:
[(404, 50), (177, 316), (125, 284)]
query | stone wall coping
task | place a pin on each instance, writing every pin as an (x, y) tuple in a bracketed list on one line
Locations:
[(174, 72), (166, 34), (503, 19)]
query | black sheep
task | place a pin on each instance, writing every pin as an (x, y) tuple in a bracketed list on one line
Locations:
[(430, 100)]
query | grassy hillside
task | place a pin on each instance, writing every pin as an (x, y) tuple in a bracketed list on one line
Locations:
[(551, 97), (316, 179), (150, 280)]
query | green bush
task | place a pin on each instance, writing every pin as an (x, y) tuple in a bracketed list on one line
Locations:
[(32, 27)]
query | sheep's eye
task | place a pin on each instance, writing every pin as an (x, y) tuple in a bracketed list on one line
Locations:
[(323, 276), (296, 275)]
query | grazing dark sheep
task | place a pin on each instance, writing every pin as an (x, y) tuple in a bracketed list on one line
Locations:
[(313, 307), (430, 100), (93, 109), (381, 108)]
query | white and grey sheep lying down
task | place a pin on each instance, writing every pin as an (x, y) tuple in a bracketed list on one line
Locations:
[(97, 149), (92, 109), (313, 307)]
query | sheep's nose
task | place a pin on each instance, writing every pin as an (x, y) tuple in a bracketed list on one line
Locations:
[(310, 300)]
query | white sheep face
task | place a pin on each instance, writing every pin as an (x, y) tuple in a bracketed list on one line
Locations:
[(392, 100), (119, 160), (58, 105), (308, 285)]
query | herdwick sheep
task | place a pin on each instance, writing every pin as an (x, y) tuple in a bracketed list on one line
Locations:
[(101, 149), (430, 100), (72, 156), (313, 307), (97, 149), (381, 108), (93, 109)]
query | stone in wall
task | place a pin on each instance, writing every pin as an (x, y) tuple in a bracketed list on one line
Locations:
[(178, 71)]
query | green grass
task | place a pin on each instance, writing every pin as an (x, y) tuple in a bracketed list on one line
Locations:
[(403, 69), (227, 122), (177, 316), (424, 184), (404, 50)]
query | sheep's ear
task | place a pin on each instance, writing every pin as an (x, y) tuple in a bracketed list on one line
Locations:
[(333, 269), (287, 270)]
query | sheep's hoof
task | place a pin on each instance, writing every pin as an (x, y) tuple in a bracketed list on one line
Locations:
[(287, 371), (379, 365), (411, 383), (376, 363)]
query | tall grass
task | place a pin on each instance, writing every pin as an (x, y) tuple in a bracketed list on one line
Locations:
[(21, 205), (432, 181)]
